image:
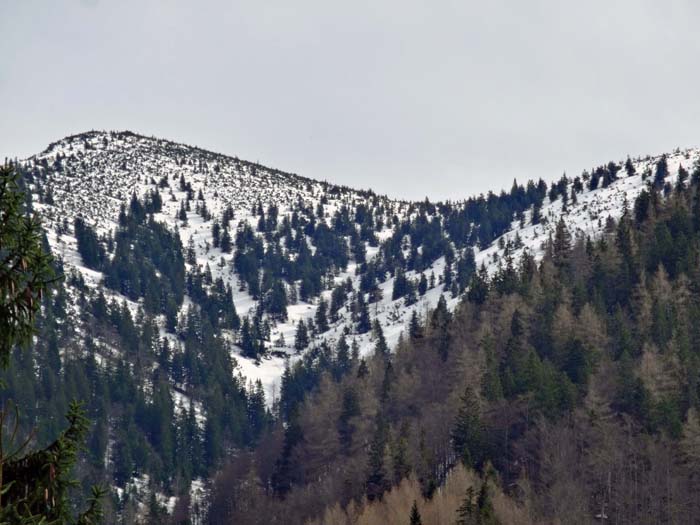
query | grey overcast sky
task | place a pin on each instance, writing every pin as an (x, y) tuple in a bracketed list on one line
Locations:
[(438, 98)]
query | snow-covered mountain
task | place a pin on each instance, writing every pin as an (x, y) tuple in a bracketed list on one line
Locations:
[(94, 177), (93, 174)]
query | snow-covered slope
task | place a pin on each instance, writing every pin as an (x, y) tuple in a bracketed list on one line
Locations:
[(591, 211), (93, 174)]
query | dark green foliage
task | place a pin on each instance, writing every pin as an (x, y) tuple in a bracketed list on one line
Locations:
[(415, 330), (661, 172), (479, 286), (415, 515), (439, 322), (491, 386), (25, 268), (401, 285), (216, 234), (346, 428), (91, 251), (321, 318), (479, 510), (422, 284), (338, 298), (258, 416), (148, 262), (561, 246), (377, 480), (380, 345), (301, 339), (363, 320), (286, 469), (225, 241), (34, 484), (467, 435), (276, 301)]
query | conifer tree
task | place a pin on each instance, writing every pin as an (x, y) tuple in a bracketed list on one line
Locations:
[(225, 241), (216, 234), (536, 214), (25, 270), (191, 254), (439, 321), (182, 214), (479, 286), (491, 381), (399, 455), (363, 320), (415, 330), (467, 435), (466, 513), (350, 408), (400, 285), (320, 317), (415, 518), (380, 346), (661, 172), (342, 359), (362, 369), (34, 484), (301, 339), (277, 301), (422, 284), (561, 247), (479, 510), (377, 483)]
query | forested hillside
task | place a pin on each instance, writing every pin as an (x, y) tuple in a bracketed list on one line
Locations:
[(258, 347), (570, 385)]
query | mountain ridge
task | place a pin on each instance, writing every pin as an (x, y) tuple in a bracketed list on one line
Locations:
[(347, 267)]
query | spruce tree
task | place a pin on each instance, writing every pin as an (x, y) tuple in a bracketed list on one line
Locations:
[(479, 510), (301, 339), (536, 214), (225, 241), (321, 318), (561, 247), (466, 513), (661, 172), (377, 483), (415, 515), (467, 434), (422, 284), (346, 428), (216, 234), (363, 320), (399, 455), (342, 358), (415, 330), (380, 346), (479, 286)]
